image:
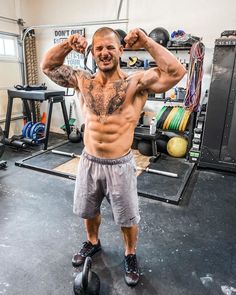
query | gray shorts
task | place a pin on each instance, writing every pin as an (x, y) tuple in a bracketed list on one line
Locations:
[(113, 179)]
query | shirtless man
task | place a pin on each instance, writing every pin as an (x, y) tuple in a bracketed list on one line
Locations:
[(111, 102)]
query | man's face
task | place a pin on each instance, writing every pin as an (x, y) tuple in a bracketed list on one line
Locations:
[(106, 52)]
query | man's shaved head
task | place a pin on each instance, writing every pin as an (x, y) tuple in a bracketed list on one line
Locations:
[(104, 31)]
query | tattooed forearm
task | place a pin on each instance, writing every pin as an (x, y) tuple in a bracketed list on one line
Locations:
[(63, 76)]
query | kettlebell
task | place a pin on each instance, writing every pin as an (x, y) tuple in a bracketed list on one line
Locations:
[(87, 282), (75, 136)]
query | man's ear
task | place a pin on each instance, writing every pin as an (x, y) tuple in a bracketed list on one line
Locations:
[(121, 49)]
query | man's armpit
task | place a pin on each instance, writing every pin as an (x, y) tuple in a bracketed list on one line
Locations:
[(63, 76)]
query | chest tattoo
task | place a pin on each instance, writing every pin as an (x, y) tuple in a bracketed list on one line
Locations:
[(104, 101)]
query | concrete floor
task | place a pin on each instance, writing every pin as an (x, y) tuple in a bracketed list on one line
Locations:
[(188, 249)]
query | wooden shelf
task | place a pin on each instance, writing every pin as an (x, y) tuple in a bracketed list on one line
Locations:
[(165, 99), (174, 131), (140, 49), (176, 48), (136, 68), (171, 48), (144, 130)]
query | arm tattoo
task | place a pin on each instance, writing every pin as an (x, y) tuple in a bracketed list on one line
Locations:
[(63, 76)]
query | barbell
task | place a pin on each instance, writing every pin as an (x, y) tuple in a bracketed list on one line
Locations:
[(148, 170)]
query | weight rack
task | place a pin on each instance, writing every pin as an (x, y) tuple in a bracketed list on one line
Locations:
[(35, 95)]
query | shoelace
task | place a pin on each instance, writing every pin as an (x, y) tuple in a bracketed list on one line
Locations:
[(131, 264), (86, 248)]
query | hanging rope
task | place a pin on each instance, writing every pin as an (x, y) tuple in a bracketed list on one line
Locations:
[(32, 66), (194, 79), (31, 59)]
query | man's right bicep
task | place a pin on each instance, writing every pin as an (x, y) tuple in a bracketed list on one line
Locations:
[(62, 75)]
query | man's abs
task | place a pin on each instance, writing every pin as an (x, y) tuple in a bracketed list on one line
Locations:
[(109, 136), (111, 114)]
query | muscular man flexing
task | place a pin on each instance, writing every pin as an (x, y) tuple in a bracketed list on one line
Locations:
[(111, 102)]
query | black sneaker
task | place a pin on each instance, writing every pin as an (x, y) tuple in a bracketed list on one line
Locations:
[(131, 270), (88, 249)]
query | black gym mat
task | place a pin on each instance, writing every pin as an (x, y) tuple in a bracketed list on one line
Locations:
[(165, 188), (153, 186), (46, 161)]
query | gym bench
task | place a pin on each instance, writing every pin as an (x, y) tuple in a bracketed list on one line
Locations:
[(32, 96)]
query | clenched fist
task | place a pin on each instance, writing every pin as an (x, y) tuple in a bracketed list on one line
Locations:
[(136, 39), (78, 43)]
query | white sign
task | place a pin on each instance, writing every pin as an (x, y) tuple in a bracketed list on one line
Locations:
[(73, 59)]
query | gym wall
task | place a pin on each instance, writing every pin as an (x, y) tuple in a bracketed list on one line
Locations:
[(198, 19), (10, 71), (77, 11)]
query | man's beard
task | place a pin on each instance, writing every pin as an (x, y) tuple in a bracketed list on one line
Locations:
[(105, 69)]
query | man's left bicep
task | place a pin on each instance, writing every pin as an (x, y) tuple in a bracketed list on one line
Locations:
[(157, 81)]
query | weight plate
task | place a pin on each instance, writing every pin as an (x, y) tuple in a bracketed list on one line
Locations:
[(36, 130), (26, 129)]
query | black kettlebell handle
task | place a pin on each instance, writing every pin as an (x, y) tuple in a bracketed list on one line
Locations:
[(85, 272)]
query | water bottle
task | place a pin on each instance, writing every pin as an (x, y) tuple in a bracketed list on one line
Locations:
[(153, 126)]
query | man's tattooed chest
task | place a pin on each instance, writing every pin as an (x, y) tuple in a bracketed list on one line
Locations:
[(104, 101)]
